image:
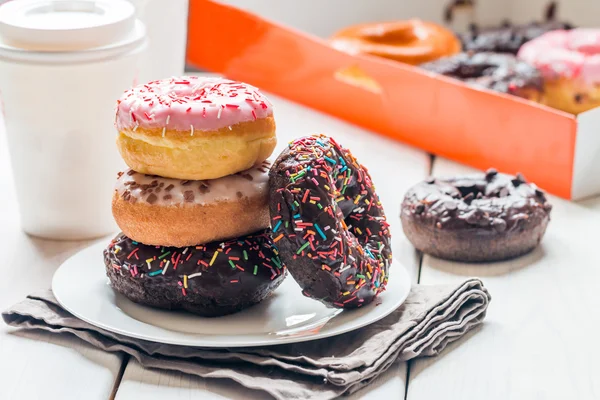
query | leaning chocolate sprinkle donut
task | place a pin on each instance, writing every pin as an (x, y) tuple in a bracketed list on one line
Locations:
[(484, 217), (329, 223), (500, 72), (211, 280)]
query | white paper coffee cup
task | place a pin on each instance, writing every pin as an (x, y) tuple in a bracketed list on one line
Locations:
[(166, 29), (63, 64)]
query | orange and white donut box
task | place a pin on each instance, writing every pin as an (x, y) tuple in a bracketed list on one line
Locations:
[(557, 150)]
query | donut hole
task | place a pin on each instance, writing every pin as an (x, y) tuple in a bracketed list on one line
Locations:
[(398, 33), (471, 71)]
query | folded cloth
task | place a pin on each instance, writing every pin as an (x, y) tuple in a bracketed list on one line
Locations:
[(430, 319)]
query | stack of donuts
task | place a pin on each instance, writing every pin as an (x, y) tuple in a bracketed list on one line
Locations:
[(193, 207), (197, 205)]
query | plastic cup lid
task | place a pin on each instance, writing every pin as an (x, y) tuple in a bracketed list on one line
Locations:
[(66, 25)]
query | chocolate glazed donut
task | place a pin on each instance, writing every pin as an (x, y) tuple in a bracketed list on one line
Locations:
[(475, 218), (211, 280), (507, 38), (329, 223), (500, 72)]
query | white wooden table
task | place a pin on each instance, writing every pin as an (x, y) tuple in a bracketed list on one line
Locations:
[(538, 342)]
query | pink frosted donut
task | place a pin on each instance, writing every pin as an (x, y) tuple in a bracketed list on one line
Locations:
[(194, 127), (570, 63)]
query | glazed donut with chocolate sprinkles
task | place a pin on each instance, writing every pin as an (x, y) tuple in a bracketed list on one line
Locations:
[(499, 72), (194, 127), (211, 280), (475, 218), (172, 212), (328, 222)]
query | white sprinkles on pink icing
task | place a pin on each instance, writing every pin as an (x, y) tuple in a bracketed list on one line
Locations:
[(189, 104), (571, 54)]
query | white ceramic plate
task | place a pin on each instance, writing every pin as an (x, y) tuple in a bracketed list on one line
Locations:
[(82, 288)]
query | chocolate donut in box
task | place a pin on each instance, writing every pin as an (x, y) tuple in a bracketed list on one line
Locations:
[(472, 124)]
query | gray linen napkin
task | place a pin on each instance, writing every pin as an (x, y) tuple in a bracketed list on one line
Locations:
[(430, 319)]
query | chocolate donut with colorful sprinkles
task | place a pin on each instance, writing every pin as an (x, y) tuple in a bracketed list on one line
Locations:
[(211, 280), (328, 223)]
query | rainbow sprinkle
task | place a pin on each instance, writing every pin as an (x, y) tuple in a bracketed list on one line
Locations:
[(248, 260)]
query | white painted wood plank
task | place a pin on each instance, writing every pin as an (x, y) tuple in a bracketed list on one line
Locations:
[(394, 168), (592, 203), (40, 365), (540, 337), (35, 365), (148, 384)]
